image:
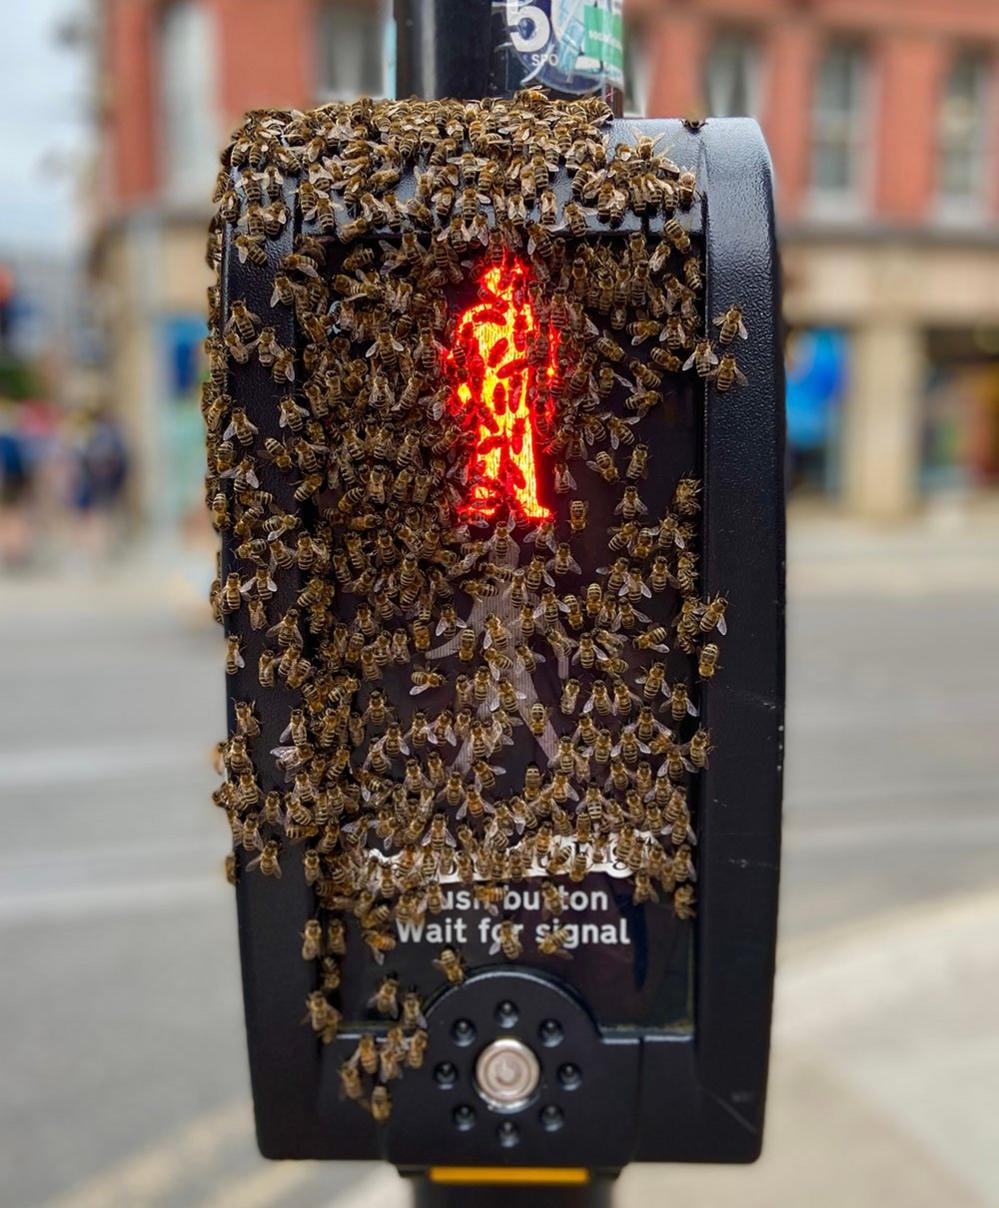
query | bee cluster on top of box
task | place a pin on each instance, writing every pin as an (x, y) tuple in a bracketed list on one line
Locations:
[(425, 485)]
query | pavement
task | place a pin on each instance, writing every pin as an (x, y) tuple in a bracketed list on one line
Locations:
[(124, 1071)]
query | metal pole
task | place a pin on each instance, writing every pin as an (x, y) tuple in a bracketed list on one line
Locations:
[(480, 48)]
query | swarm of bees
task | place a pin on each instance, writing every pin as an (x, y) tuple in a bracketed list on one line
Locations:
[(407, 629)]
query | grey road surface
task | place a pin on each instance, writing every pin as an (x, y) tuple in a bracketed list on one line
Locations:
[(124, 1073)]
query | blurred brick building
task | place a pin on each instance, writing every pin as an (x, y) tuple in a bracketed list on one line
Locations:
[(174, 78), (883, 119)]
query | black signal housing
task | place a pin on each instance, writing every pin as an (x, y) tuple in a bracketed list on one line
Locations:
[(635, 1091)]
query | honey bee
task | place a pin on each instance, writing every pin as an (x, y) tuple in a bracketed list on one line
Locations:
[(385, 999), (686, 190), (450, 964), (728, 373), (416, 1049), (680, 703), (685, 498), (713, 616), (677, 236), (731, 324), (268, 861), (703, 359), (707, 663), (412, 1011), (312, 940), (553, 942), (380, 1104), (683, 902), (351, 1084), (508, 941), (233, 654)]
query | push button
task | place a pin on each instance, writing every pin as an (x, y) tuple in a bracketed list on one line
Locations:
[(507, 1074)]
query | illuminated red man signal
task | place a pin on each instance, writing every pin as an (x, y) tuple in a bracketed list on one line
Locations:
[(498, 388)]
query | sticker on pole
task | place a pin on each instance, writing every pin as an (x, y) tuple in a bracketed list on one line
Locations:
[(570, 46)]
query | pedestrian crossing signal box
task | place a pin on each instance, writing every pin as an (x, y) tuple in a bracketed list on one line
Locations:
[(525, 769)]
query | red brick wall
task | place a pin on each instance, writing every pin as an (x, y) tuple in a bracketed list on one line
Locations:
[(265, 58), (267, 55), (128, 91)]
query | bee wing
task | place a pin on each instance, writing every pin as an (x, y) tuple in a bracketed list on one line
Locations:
[(722, 626), (692, 708), (740, 377), (744, 334), (495, 947)]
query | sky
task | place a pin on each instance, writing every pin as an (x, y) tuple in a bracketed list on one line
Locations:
[(45, 125)]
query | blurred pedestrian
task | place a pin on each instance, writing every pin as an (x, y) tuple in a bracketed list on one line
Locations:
[(15, 491), (101, 474)]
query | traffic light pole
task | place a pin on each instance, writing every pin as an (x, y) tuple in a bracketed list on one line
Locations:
[(473, 49)]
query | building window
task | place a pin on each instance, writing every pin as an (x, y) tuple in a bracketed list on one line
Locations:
[(188, 120), (964, 134), (731, 72), (838, 125), (352, 50)]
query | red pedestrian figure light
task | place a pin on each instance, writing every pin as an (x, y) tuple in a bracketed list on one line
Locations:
[(499, 386)]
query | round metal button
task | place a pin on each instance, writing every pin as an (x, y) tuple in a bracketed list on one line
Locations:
[(507, 1074)]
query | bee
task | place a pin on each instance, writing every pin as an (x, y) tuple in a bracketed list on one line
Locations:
[(268, 861), (727, 374), (685, 498), (698, 748), (686, 189), (412, 1010), (233, 654), (707, 663), (251, 248), (610, 350), (243, 320), (336, 937), (680, 704), (731, 324), (553, 942), (379, 942), (416, 1049), (604, 465), (312, 940), (450, 964), (508, 940), (380, 1104), (366, 1054), (683, 902), (703, 359), (424, 680), (351, 1084), (579, 510), (385, 999), (231, 868), (677, 236), (266, 667)]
